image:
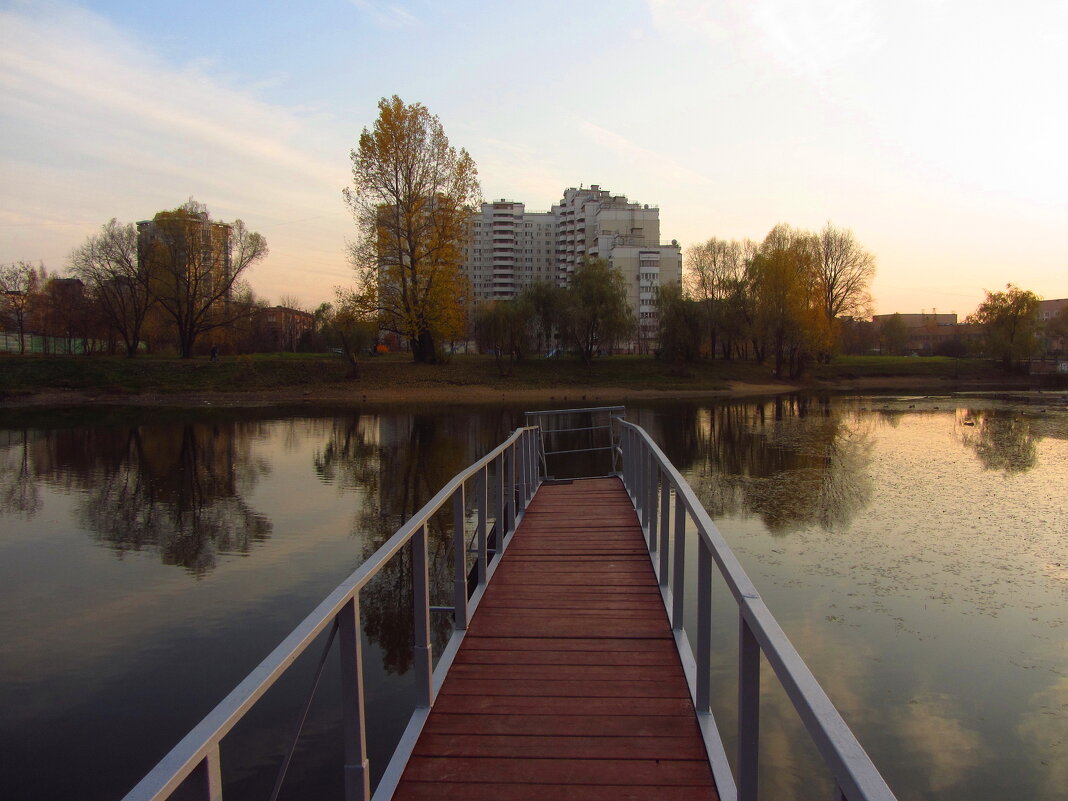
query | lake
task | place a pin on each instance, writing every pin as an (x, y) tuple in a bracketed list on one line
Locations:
[(915, 550)]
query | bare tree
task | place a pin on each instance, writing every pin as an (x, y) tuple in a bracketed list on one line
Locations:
[(844, 271), (715, 268), (107, 263), (195, 264), (19, 285)]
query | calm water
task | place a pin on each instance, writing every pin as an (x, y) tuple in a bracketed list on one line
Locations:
[(915, 551)]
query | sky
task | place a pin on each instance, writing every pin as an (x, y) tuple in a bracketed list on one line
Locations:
[(935, 130)]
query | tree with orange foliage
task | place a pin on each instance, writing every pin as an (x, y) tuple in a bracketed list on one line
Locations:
[(412, 195)]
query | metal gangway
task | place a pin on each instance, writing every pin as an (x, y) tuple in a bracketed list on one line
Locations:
[(500, 486)]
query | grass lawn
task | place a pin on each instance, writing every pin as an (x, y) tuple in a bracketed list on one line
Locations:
[(21, 375)]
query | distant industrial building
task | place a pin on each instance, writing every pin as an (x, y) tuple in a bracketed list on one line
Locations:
[(510, 248)]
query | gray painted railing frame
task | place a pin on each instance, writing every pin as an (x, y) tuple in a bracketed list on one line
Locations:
[(651, 479), (540, 419), (517, 474)]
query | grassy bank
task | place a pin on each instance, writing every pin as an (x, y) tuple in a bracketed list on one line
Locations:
[(103, 376)]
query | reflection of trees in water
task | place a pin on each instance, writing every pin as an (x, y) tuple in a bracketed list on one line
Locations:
[(793, 461), (19, 493), (176, 488), (402, 461), (1002, 438)]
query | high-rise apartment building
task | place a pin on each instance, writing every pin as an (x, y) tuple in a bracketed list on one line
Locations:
[(510, 248)]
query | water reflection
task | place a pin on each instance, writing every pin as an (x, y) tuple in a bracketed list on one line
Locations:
[(177, 489), (19, 493), (792, 462), (1003, 439), (401, 461)]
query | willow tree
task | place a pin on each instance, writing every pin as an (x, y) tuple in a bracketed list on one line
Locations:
[(597, 314), (1009, 321), (412, 196), (789, 318)]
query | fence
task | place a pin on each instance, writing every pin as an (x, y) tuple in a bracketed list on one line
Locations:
[(512, 482), (665, 502)]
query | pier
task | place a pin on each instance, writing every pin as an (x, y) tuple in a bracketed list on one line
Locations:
[(571, 671), (568, 684)]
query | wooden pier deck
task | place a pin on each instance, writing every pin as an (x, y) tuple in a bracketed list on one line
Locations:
[(568, 684)]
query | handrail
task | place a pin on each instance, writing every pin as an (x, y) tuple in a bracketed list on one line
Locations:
[(650, 478), (516, 476), (540, 418)]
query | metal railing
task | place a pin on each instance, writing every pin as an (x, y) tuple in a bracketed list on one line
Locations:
[(549, 428), (515, 477), (652, 482)]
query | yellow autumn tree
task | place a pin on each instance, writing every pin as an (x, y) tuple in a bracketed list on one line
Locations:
[(412, 195)]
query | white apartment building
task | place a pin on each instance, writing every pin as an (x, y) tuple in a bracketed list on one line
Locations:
[(510, 248)]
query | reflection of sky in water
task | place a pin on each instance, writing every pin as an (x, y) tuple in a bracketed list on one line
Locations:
[(931, 602)]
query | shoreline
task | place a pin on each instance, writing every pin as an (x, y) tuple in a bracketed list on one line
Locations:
[(342, 395)]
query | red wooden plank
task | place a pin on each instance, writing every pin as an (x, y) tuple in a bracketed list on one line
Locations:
[(665, 773), (666, 674), (513, 705), (677, 726), (469, 656), (559, 746), (437, 791), (539, 626), (595, 645), (580, 688)]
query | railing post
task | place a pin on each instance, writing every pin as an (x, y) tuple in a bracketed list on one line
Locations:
[(748, 709), (678, 584), (459, 541), (654, 542), (647, 491), (535, 474), (639, 478), (422, 657), (213, 774), (498, 480), (704, 626), (482, 498), (524, 441), (665, 512), (520, 477), (510, 503), (354, 735)]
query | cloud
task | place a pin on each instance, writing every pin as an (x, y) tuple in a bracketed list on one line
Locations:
[(386, 15), (666, 168), (96, 126)]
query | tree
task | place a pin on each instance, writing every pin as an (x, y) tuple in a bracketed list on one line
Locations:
[(19, 285), (411, 198), (844, 271), (893, 336), (1009, 321), (546, 301), (503, 327), (716, 268), (194, 265), (597, 314), (117, 282), (347, 325), (787, 314), (679, 319)]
